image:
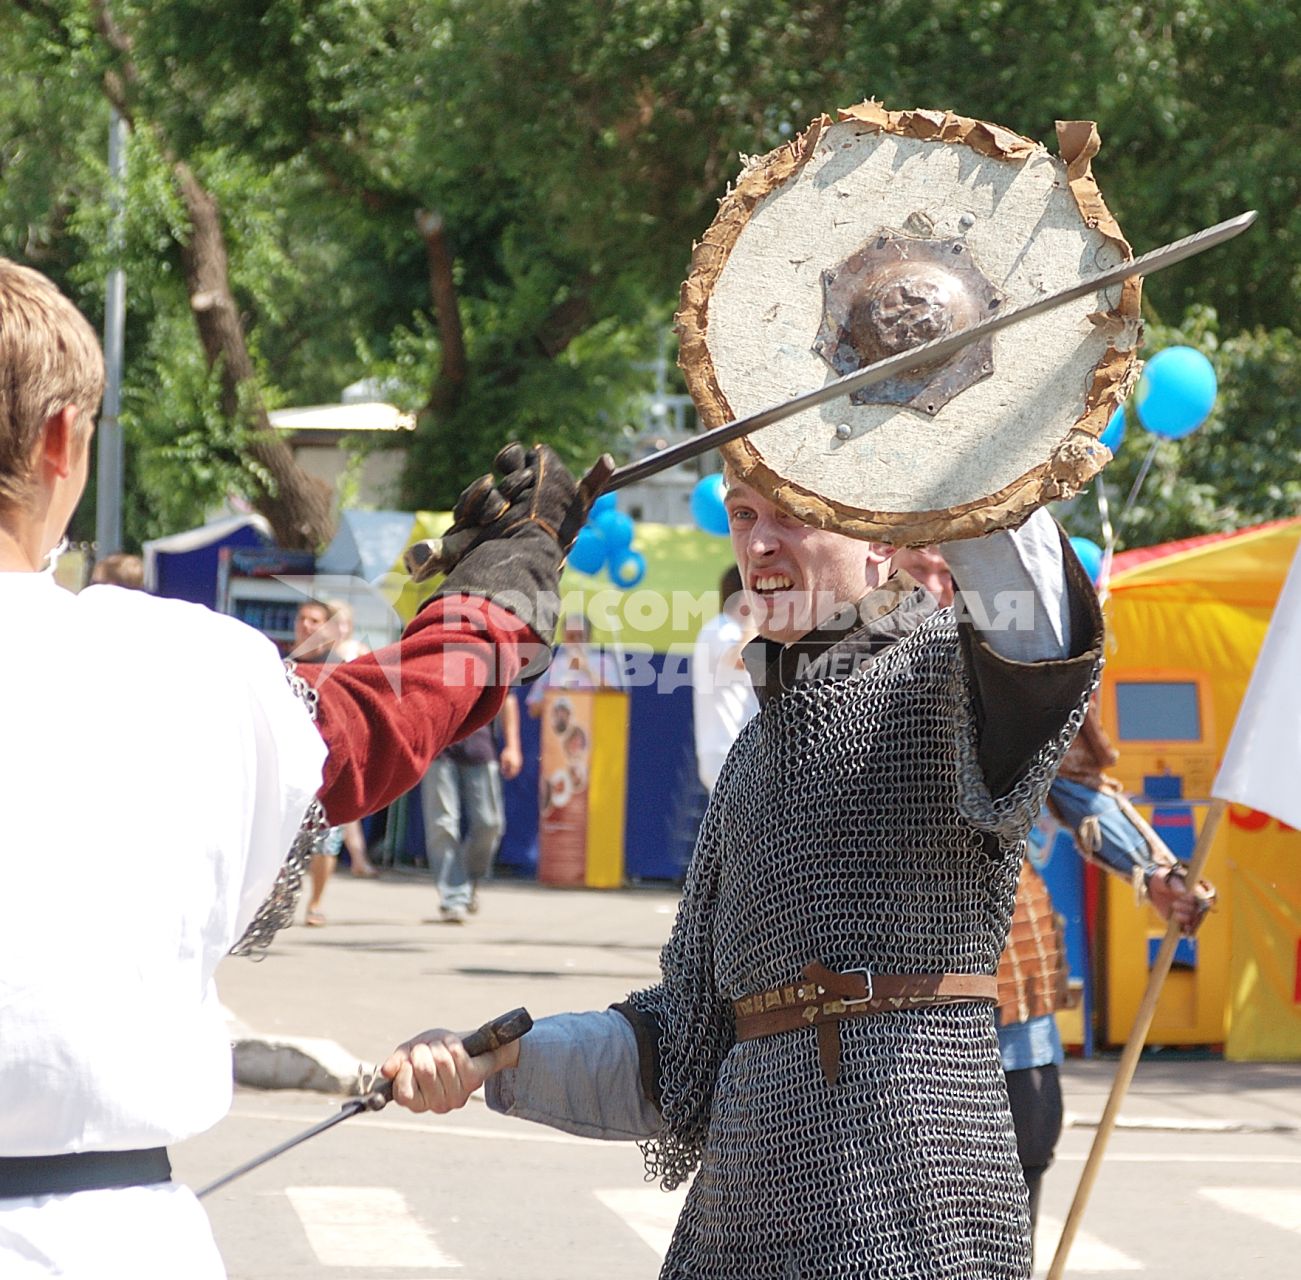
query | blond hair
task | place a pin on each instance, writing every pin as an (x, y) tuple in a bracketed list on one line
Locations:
[(50, 358)]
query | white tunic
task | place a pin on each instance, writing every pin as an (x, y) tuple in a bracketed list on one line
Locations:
[(154, 768)]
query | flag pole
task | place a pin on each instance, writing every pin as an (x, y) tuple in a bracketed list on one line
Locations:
[(1133, 1047)]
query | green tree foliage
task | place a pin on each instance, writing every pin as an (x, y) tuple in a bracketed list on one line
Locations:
[(573, 150)]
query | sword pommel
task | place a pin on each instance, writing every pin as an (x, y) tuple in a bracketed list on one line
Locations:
[(492, 1035)]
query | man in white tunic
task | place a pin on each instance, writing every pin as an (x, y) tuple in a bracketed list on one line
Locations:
[(156, 766)]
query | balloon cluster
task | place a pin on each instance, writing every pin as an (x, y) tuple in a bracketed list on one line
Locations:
[(707, 505), (605, 541), (1175, 396)]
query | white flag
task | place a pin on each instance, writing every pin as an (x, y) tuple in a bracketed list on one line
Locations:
[(1262, 763)]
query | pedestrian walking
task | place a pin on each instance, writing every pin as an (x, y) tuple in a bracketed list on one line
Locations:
[(463, 811)]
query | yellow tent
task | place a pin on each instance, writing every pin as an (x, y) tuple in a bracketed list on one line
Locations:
[(1186, 621)]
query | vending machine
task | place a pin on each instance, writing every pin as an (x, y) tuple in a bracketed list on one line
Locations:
[(1162, 723), (255, 585)]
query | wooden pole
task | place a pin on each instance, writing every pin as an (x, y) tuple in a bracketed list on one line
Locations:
[(1133, 1048)]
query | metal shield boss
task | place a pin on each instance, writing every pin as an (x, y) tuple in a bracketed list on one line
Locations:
[(876, 233)]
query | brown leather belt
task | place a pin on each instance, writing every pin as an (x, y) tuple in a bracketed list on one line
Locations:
[(825, 998)]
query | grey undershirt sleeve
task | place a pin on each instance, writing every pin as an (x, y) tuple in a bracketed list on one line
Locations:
[(578, 1072), (1013, 587)]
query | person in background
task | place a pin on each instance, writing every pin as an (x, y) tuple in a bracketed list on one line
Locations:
[(313, 642), (722, 698), (463, 789), (577, 664), (346, 647), (119, 570)]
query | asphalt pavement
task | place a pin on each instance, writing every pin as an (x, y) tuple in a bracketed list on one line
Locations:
[(325, 1004)]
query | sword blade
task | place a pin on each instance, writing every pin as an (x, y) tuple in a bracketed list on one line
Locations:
[(940, 349), (349, 1108)]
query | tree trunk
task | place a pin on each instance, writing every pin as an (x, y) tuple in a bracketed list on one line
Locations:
[(453, 367), (296, 504)]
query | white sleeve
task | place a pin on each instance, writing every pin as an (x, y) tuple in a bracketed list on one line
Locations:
[(1013, 588), (702, 709)]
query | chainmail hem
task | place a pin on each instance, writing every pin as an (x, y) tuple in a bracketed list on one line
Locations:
[(1011, 815)]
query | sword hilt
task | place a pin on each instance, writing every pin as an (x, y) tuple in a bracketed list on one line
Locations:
[(492, 1035)]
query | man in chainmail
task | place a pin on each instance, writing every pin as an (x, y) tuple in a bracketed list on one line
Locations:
[(157, 765), (821, 1051)]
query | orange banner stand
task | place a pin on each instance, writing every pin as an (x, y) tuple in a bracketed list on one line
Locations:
[(582, 787)]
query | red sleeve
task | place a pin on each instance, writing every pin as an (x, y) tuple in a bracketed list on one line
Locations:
[(386, 715)]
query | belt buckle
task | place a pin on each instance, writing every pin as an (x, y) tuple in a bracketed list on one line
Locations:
[(864, 999)]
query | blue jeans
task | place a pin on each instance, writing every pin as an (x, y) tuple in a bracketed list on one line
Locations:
[(449, 791)]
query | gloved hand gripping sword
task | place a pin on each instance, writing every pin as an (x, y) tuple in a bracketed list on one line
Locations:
[(535, 498)]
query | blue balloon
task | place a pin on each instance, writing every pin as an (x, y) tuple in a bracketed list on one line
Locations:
[(1089, 555), (1176, 392), (606, 502), (587, 555), (707, 505), (617, 530), (629, 571), (1114, 434)]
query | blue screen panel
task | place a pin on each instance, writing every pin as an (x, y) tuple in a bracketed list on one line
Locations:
[(1158, 711)]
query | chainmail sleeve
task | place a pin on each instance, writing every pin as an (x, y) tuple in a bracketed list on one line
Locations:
[(277, 912), (694, 1020)]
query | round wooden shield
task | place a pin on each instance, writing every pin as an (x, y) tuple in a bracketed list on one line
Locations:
[(873, 234)]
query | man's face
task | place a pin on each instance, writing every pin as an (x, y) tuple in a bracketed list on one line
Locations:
[(311, 618), (795, 576)]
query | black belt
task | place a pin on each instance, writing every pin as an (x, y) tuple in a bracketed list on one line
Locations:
[(82, 1171)]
